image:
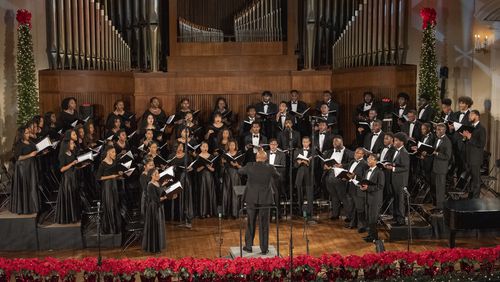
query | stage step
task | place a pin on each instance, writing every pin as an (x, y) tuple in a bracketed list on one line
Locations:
[(420, 228), (18, 232), (107, 240), (60, 236), (234, 252)]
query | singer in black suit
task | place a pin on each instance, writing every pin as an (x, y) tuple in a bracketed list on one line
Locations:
[(267, 110), (386, 155), (284, 136), (252, 141), (277, 159), (373, 194), (475, 142), (412, 126), (374, 141), (337, 188), (442, 156), (281, 117), (399, 169), (323, 139), (426, 112), (327, 99), (300, 123), (258, 193), (303, 176), (461, 116), (355, 208)]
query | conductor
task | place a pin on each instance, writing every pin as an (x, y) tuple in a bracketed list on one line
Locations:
[(258, 193)]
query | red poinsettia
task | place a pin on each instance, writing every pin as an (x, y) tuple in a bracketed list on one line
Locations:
[(23, 17), (428, 16)]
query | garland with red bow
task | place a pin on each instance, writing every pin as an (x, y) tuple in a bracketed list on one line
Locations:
[(23, 17), (428, 16)]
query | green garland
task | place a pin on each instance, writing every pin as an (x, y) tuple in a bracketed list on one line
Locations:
[(428, 75), (27, 92)]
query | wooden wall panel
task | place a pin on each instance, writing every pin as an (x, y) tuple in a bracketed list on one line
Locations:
[(239, 88), (230, 48)]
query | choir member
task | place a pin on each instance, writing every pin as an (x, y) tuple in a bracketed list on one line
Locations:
[(441, 158), (127, 119), (364, 126), (412, 126), (373, 195), (336, 187), (328, 116), (258, 194), (333, 107), (222, 108), (184, 138), (121, 145), (303, 179), (223, 139), (80, 141), (183, 109), (69, 114), (153, 239), (191, 124), (386, 155), (246, 125), (367, 104), (277, 159), (206, 183), (374, 141), (253, 141), (266, 111), (297, 109), (475, 141), (461, 116), (400, 111), (115, 127), (355, 209), (323, 139), (40, 123), (24, 189), (91, 136), (68, 199), (446, 111), (107, 174), (399, 169), (181, 162), (426, 112), (144, 179), (213, 131), (231, 165), (425, 162), (281, 117), (284, 136), (159, 116)]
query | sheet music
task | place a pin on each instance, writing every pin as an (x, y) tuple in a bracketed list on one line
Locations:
[(42, 145), (170, 119), (338, 170), (129, 171), (85, 157), (173, 187), (127, 165), (169, 171)]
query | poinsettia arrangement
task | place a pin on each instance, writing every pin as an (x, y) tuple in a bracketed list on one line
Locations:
[(383, 266)]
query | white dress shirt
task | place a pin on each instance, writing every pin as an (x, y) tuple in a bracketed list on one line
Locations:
[(337, 156), (412, 127), (294, 105), (369, 174), (374, 139), (266, 107), (422, 112), (354, 165), (321, 141), (462, 114), (383, 153), (367, 107), (255, 141), (401, 111), (272, 157)]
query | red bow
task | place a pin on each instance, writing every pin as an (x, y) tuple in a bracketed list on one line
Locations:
[(428, 16), (24, 17)]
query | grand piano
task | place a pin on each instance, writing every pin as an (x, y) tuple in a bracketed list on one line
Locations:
[(471, 214)]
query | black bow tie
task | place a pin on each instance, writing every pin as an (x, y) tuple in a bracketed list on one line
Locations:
[(306, 149), (256, 136), (322, 133), (402, 108), (273, 153), (376, 134), (338, 151), (294, 102), (366, 104), (266, 103)]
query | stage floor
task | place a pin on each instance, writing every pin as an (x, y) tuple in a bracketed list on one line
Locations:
[(325, 237)]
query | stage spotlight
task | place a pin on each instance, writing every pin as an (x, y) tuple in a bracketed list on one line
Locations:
[(379, 246)]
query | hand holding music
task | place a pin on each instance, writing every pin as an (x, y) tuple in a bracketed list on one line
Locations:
[(467, 134), (364, 187)]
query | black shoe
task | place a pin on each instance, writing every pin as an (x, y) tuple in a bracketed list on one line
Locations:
[(248, 250), (348, 226), (347, 220), (264, 252), (333, 218), (369, 239), (362, 230)]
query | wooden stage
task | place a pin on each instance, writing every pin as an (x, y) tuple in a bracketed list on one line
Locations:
[(325, 237)]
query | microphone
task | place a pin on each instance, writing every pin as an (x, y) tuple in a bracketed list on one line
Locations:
[(98, 207), (219, 211), (405, 190)]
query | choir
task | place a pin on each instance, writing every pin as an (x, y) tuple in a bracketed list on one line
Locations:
[(181, 167)]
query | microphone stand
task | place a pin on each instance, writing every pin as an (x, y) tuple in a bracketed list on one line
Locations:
[(305, 232), (99, 257), (290, 177), (186, 163), (220, 233), (409, 239)]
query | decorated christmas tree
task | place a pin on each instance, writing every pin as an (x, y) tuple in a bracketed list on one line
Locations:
[(428, 75), (27, 93)]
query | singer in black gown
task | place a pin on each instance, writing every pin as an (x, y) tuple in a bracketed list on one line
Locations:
[(206, 184), (24, 191), (231, 178), (144, 179), (153, 239), (179, 161), (68, 201), (107, 174)]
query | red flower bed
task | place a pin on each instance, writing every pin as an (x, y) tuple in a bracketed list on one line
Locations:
[(383, 266)]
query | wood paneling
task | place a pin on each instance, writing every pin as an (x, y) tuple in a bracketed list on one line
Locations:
[(232, 63), (230, 48), (239, 88)]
